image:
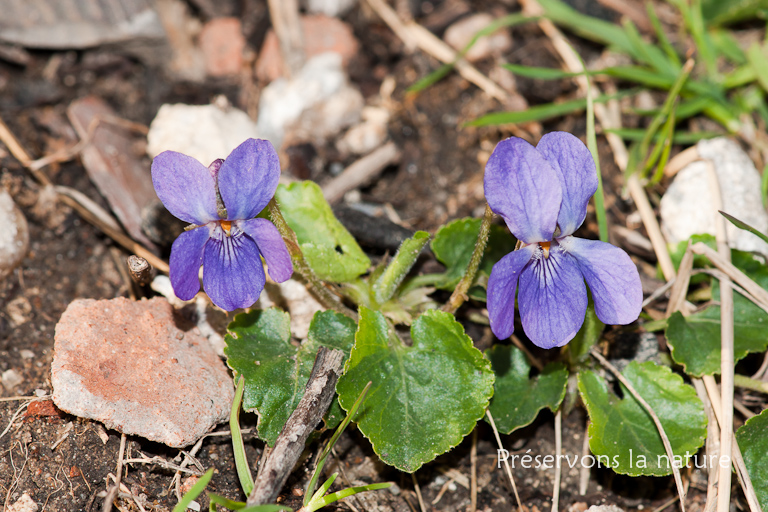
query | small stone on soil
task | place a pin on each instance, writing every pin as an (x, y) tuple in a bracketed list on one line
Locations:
[(129, 365), (14, 237), (24, 504)]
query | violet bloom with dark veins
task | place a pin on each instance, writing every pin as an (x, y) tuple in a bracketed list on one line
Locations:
[(221, 202), (542, 194)]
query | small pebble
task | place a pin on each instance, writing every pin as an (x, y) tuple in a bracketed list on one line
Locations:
[(14, 237), (11, 379), (24, 504)]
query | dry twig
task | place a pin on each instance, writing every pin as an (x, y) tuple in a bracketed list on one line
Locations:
[(361, 172), (506, 464)]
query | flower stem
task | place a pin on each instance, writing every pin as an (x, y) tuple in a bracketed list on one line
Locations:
[(459, 295), (316, 286)]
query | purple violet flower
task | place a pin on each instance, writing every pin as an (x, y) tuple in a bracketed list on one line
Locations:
[(221, 203), (542, 194)]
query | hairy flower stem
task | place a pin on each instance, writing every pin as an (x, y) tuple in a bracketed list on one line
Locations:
[(459, 295), (742, 381), (316, 286)]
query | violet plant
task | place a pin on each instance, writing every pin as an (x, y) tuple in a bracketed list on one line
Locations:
[(430, 389), (542, 194), (221, 202)]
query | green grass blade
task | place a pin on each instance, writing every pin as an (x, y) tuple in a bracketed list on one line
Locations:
[(759, 63), (543, 112), (539, 73), (215, 499), (664, 143), (657, 60), (345, 493), (602, 220), (740, 76), (726, 45), (241, 462), (687, 138), (743, 225), (663, 115), (764, 186), (308, 495), (669, 133), (669, 50), (194, 492), (701, 39)]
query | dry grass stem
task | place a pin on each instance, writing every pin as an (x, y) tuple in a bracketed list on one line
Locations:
[(416, 36), (506, 464), (112, 494), (645, 405), (361, 172), (558, 452), (754, 290), (680, 288), (584, 470), (473, 473), (422, 505), (714, 396)]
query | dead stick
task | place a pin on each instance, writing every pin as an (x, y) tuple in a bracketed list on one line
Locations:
[(361, 172), (318, 395)]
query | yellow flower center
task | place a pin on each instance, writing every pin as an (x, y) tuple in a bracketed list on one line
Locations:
[(545, 246), (227, 225)]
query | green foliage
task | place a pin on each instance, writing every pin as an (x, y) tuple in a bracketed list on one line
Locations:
[(517, 398), (586, 338), (328, 247), (384, 287), (695, 340), (194, 492), (746, 227), (753, 442), (453, 245), (426, 397), (623, 433), (259, 348)]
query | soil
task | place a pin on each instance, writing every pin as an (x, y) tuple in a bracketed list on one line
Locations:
[(66, 463)]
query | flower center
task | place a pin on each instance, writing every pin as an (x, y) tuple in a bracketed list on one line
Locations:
[(227, 225), (545, 246)]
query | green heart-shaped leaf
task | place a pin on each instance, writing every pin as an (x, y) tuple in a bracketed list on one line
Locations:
[(425, 398), (328, 247), (623, 435), (517, 398), (753, 442), (276, 371)]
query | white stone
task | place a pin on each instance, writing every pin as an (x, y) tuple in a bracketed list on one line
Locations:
[(283, 101), (14, 236), (24, 504), (333, 8), (688, 206), (204, 132), (604, 508), (11, 379), (461, 33)]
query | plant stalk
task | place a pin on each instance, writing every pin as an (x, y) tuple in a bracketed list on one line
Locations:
[(459, 295), (316, 286)]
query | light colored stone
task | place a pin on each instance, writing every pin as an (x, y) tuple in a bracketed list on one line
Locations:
[(129, 365), (11, 379), (222, 43), (321, 84), (604, 508), (24, 504), (19, 311), (688, 206), (461, 33), (204, 132), (333, 8), (325, 119), (321, 34), (14, 236)]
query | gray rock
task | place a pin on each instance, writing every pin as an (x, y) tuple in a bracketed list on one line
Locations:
[(130, 366), (687, 207), (14, 237)]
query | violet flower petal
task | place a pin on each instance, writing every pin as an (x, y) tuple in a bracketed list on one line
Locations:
[(233, 275), (552, 298), (186, 258), (248, 178), (576, 171), (611, 276), (185, 187), (502, 285), (522, 187), (271, 246)]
